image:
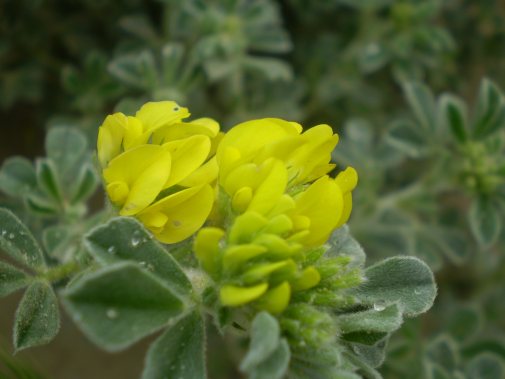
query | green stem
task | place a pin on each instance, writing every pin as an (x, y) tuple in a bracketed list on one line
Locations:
[(60, 272)]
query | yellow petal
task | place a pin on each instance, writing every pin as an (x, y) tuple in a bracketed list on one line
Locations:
[(204, 174), (275, 300), (346, 212), (271, 188), (182, 130), (186, 212), (206, 248), (309, 278), (245, 175), (251, 136), (148, 185), (154, 115), (245, 227), (236, 255), (347, 179), (242, 199), (187, 155), (261, 271), (280, 225), (118, 192), (134, 134), (110, 137), (322, 202), (128, 166), (277, 246), (233, 296)]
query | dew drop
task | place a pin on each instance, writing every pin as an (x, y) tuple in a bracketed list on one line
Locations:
[(11, 236), (379, 306), (135, 240), (417, 291), (111, 250), (111, 313)]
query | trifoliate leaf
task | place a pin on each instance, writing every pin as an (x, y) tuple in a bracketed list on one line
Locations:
[(120, 304)]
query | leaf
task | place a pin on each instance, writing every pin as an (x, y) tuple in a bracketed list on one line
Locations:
[(85, 184), (342, 243), (11, 279), (373, 355), (464, 322), (136, 70), (490, 113), (271, 68), (486, 366), (485, 221), (47, 179), (372, 57), (66, 147), (120, 304), (275, 366), (407, 138), (179, 352), (17, 241), (17, 176), (265, 338), (125, 238), (422, 102), (406, 280), (377, 320), (37, 319), (444, 351), (365, 369), (455, 115), (41, 205)]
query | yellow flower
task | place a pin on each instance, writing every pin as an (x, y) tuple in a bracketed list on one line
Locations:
[(280, 204), (305, 155), (158, 168)]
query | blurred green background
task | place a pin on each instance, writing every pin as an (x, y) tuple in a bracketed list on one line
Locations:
[(430, 185)]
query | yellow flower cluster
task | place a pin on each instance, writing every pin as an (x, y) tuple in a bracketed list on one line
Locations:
[(160, 169), (265, 180), (282, 204)]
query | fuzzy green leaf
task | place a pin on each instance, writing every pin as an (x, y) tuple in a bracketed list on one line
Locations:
[(464, 322), (485, 221), (422, 102), (341, 242), (444, 351), (407, 281), (11, 279), (490, 114), (17, 176), (407, 138), (265, 339), (486, 366), (275, 366), (455, 114), (47, 179), (120, 304), (124, 238), (179, 352), (85, 184), (378, 320), (66, 147), (17, 241), (37, 317)]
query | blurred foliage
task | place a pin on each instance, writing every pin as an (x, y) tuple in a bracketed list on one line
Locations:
[(401, 80)]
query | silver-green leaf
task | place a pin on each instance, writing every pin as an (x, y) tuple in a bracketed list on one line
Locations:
[(37, 317)]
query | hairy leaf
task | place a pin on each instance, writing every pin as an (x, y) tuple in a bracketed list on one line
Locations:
[(119, 304), (37, 318), (179, 352)]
